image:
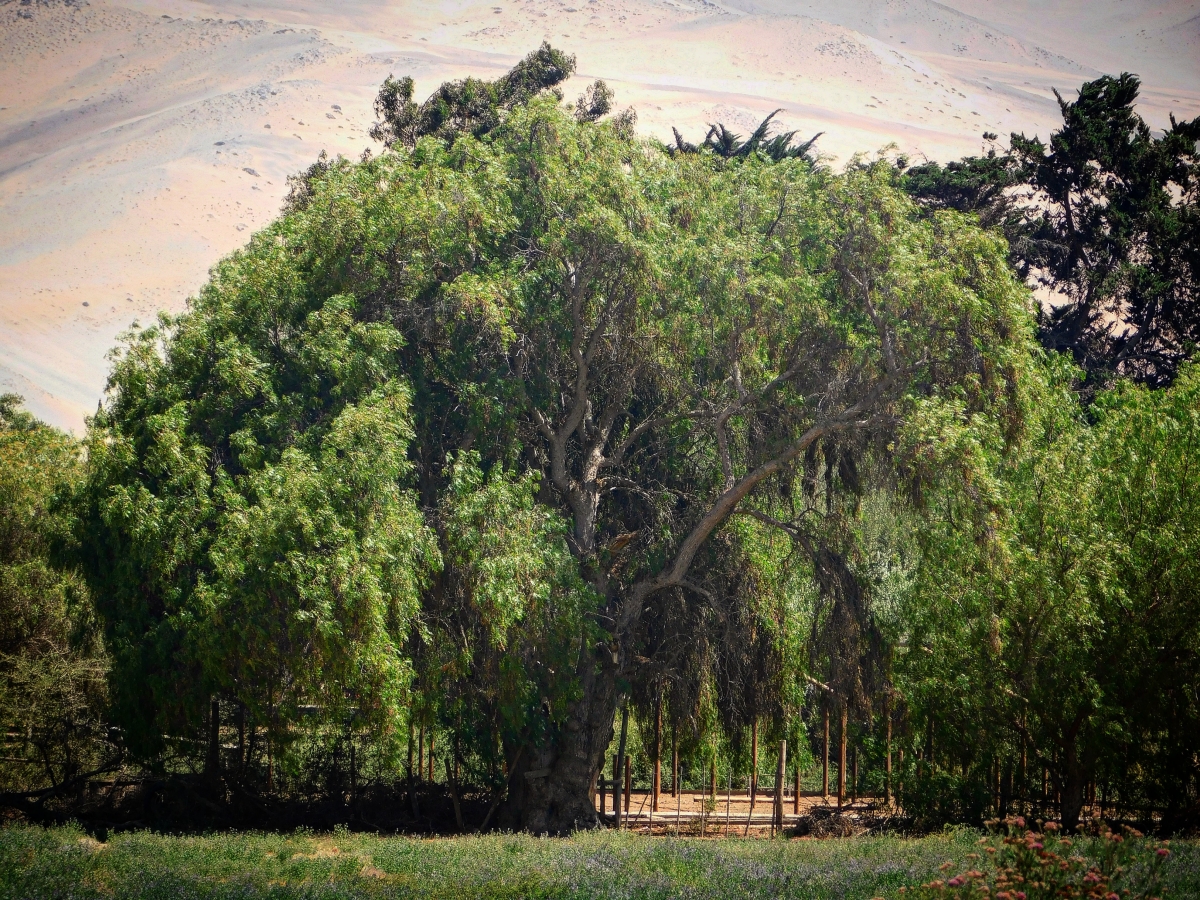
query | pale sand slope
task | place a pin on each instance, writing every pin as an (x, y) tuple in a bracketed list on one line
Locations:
[(140, 141)]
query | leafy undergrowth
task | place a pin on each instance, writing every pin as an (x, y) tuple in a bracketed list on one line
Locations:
[(67, 863), (1018, 862)]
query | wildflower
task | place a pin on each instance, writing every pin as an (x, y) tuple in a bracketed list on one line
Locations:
[(956, 881), (1163, 851)]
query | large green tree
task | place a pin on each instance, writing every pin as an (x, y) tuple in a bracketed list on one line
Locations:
[(599, 376), (662, 339)]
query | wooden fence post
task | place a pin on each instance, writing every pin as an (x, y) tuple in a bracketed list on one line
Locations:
[(728, 799), (616, 762), (212, 764), (412, 743), (616, 791)]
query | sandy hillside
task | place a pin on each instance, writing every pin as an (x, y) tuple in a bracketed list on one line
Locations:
[(140, 140)]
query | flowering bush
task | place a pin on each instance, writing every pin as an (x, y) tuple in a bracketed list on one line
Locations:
[(1024, 864)]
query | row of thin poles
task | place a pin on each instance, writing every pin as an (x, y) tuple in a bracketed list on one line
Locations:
[(622, 795), (656, 768)]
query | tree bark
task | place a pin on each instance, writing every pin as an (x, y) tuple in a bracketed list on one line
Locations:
[(1074, 781), (550, 791)]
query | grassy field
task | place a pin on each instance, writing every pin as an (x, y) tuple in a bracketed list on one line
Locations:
[(66, 863)]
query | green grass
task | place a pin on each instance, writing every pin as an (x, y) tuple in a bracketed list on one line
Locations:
[(64, 862)]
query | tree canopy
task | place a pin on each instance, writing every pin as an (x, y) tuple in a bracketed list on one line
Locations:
[(1107, 217), (527, 426), (664, 344)]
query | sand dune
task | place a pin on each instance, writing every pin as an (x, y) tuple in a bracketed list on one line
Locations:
[(140, 140)]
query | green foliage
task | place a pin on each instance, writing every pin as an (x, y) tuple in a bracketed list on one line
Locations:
[(1025, 864), (1105, 216), (52, 666), (473, 106), (245, 522), (507, 616), (1056, 594), (726, 144)]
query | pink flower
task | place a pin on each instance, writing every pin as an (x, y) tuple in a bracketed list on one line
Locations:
[(956, 881), (1163, 851)]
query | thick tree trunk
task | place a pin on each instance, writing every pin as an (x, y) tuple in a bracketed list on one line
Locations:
[(549, 792), (1074, 781)]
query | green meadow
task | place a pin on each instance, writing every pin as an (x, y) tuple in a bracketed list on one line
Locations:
[(67, 862)]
